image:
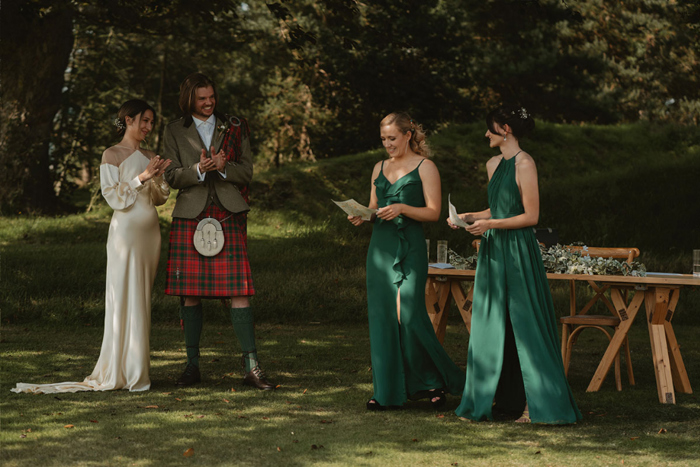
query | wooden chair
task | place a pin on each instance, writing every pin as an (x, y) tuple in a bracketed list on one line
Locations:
[(628, 254), (574, 324)]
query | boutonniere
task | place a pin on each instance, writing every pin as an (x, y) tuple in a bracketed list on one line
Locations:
[(222, 126)]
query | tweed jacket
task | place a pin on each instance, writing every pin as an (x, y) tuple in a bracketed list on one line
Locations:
[(183, 145)]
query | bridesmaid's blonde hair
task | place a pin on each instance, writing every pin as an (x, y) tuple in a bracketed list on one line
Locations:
[(405, 123)]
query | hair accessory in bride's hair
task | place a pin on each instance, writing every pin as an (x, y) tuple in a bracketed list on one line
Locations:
[(119, 124), (522, 113)]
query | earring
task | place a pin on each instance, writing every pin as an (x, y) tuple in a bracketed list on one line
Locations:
[(504, 138)]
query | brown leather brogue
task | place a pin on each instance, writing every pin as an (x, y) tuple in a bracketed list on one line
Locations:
[(256, 378)]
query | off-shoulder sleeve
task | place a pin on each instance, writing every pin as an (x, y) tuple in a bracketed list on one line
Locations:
[(119, 194), (160, 190)]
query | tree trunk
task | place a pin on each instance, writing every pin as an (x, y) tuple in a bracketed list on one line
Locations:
[(36, 41), (160, 122)]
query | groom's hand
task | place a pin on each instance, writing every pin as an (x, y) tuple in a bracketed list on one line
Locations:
[(205, 163), (219, 159)]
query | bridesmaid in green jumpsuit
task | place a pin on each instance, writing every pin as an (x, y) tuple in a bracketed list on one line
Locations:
[(408, 361), (514, 358)]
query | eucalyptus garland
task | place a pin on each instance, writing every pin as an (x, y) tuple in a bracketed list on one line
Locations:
[(559, 259), (460, 262)]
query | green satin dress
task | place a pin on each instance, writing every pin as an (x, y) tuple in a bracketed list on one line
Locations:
[(514, 347), (406, 356)]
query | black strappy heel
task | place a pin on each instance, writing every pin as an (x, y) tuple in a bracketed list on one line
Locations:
[(373, 405)]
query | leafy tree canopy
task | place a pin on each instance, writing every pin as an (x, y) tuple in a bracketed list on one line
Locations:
[(315, 77)]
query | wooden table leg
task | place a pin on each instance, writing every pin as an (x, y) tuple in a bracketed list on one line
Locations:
[(678, 372), (626, 319), (431, 301), (565, 328), (464, 303), (657, 302), (436, 299), (440, 325)]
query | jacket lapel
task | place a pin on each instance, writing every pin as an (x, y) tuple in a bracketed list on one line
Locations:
[(192, 136), (218, 137)]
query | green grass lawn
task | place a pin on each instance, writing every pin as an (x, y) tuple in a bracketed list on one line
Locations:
[(628, 186), (324, 378)]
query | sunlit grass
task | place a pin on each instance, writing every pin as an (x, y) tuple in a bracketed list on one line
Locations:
[(308, 268), (324, 378)]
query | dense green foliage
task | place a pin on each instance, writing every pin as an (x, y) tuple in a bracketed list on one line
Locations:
[(314, 78)]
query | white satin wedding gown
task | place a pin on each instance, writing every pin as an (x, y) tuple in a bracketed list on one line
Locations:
[(133, 250)]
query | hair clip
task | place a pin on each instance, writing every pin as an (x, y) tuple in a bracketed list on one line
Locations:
[(118, 123)]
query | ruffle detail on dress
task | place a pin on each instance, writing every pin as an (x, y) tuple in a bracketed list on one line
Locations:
[(401, 251), (392, 196)]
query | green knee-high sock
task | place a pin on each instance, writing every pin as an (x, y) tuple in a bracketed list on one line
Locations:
[(192, 323), (242, 319)]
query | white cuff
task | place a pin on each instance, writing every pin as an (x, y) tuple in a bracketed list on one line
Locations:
[(136, 184), (200, 174), (223, 174)]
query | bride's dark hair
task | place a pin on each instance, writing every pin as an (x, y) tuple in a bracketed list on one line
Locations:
[(131, 109), (517, 117)]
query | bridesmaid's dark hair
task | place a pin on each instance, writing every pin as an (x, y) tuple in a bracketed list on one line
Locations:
[(131, 108), (517, 117), (405, 123)]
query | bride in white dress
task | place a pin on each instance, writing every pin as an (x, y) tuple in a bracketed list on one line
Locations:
[(132, 183)]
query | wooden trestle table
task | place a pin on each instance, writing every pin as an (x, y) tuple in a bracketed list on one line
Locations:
[(657, 293)]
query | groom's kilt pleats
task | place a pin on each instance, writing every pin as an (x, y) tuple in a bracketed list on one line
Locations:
[(224, 275)]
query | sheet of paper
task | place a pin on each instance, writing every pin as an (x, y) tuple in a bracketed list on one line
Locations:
[(454, 218), (353, 208)]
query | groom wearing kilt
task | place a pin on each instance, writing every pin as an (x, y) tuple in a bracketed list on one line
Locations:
[(211, 167)]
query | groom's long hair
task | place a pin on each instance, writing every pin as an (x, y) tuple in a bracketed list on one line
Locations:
[(188, 90)]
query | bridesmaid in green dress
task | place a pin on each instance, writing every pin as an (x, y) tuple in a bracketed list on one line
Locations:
[(514, 362), (408, 361)]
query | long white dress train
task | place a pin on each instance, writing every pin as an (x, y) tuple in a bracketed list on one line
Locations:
[(133, 251)]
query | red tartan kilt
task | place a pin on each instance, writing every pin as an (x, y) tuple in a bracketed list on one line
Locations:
[(224, 275)]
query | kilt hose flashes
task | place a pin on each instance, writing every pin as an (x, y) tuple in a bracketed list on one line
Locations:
[(227, 274)]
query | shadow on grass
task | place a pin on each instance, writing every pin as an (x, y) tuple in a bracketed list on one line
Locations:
[(324, 381)]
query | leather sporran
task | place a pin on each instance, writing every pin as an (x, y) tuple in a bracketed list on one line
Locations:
[(208, 237)]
